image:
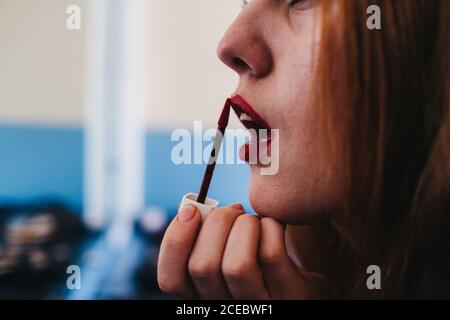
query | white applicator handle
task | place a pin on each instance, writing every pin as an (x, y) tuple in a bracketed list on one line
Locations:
[(204, 208)]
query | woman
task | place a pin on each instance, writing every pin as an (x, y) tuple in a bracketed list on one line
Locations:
[(364, 172)]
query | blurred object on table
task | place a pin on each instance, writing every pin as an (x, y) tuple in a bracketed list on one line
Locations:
[(37, 244)]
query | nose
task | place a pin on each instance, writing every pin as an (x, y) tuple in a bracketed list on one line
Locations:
[(244, 47)]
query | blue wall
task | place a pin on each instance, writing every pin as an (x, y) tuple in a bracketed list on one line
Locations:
[(166, 183), (41, 162), (38, 162)]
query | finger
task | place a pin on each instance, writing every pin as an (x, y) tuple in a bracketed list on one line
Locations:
[(176, 247), (239, 266), (206, 258), (282, 278), (236, 206)]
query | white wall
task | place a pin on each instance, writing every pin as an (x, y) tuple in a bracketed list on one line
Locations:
[(42, 64), (186, 81)]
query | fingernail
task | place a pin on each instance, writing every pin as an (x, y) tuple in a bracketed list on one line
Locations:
[(186, 213), (237, 206)]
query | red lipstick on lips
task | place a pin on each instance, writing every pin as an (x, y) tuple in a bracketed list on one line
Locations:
[(249, 118), (253, 121), (240, 105)]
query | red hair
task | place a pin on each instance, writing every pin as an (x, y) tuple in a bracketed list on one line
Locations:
[(385, 98)]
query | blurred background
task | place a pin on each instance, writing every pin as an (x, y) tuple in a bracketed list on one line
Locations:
[(86, 116)]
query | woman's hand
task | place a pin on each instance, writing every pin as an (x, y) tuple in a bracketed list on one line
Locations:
[(231, 256)]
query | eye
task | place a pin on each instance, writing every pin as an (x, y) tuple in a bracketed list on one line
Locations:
[(296, 4), (301, 4)]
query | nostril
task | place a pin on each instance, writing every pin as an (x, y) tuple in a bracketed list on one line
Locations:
[(240, 64)]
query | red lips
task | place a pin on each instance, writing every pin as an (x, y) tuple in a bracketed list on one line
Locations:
[(240, 105), (259, 143)]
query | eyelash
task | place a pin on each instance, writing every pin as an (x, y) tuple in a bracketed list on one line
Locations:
[(291, 3)]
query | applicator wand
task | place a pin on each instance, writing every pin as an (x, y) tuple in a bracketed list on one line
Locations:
[(221, 127), (206, 205)]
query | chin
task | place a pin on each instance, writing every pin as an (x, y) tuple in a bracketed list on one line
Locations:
[(271, 198)]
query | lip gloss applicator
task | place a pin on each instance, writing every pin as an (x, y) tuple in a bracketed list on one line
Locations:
[(200, 200), (221, 127)]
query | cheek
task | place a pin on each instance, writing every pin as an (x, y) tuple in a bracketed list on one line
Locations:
[(290, 194), (307, 185)]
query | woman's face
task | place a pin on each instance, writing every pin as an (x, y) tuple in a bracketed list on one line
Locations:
[(271, 46)]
